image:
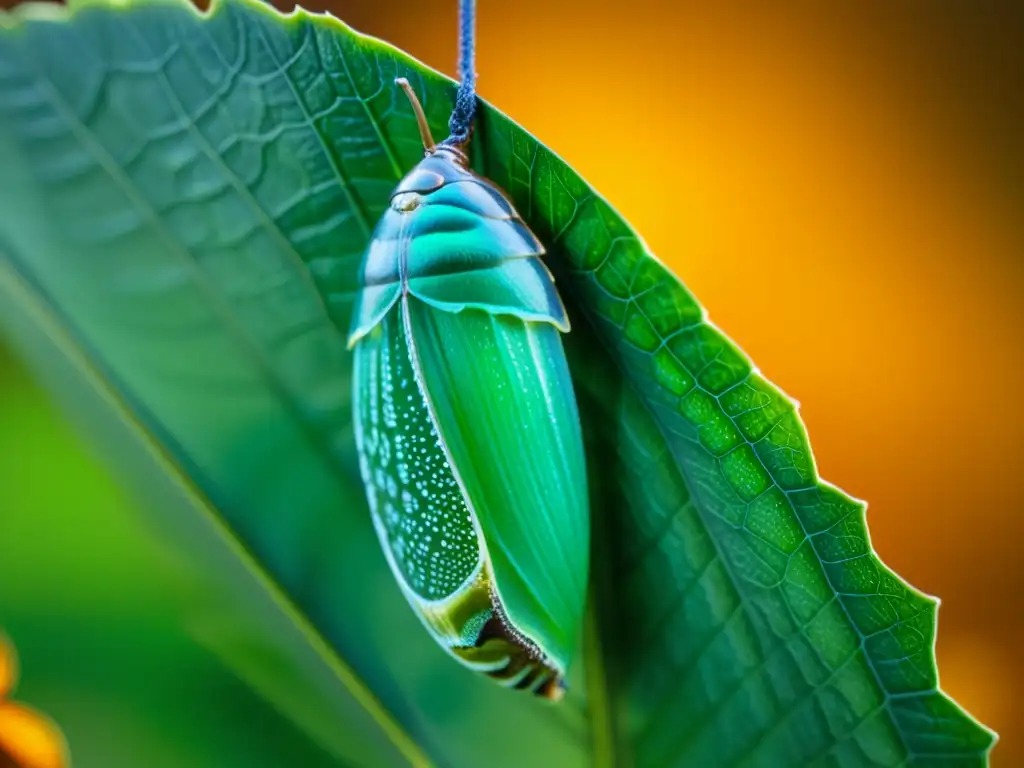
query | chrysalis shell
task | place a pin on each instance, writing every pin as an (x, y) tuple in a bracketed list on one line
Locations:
[(467, 426)]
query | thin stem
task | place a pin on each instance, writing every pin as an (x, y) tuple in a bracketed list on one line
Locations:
[(460, 124), (421, 119)]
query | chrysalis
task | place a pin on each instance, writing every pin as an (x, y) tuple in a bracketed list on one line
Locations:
[(467, 427)]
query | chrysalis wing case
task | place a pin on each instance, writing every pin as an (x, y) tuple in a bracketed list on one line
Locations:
[(467, 427)]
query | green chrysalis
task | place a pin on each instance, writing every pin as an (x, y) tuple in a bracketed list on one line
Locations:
[(467, 427)]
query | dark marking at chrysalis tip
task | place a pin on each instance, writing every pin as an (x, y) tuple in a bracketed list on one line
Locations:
[(527, 669)]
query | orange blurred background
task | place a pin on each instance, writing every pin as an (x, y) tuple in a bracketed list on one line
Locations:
[(843, 188)]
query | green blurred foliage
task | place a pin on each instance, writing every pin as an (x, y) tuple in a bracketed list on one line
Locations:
[(92, 601)]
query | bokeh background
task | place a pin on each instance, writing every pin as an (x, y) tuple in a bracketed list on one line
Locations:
[(841, 184)]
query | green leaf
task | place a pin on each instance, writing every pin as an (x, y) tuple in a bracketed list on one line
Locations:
[(84, 592), (185, 202)]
